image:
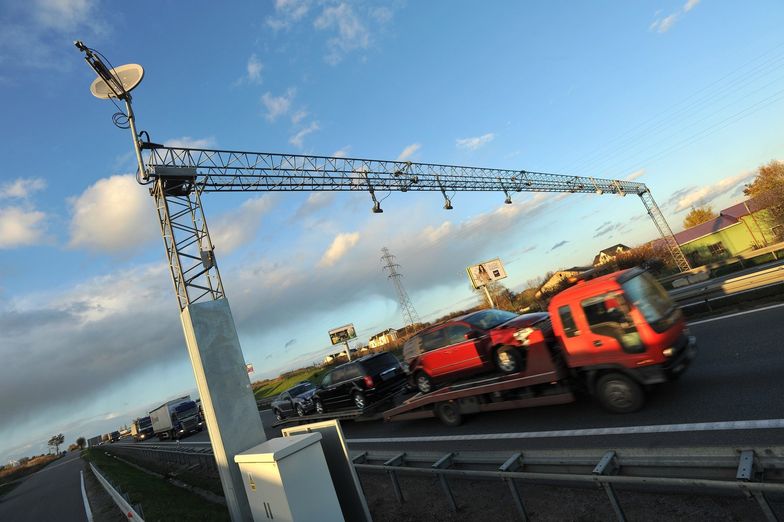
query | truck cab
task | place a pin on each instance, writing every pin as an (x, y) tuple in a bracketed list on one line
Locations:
[(624, 325)]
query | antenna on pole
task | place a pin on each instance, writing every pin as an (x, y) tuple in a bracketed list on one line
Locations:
[(410, 316), (117, 83)]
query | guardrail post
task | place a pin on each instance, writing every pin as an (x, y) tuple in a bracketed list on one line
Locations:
[(609, 466), (514, 463), (442, 463), (749, 469), (397, 460)]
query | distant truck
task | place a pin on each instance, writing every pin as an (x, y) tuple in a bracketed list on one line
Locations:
[(114, 436), (93, 441), (176, 419), (106, 437), (141, 429)]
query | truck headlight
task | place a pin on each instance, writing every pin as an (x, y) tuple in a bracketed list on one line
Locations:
[(668, 352), (522, 335)]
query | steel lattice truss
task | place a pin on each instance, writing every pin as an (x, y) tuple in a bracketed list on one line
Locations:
[(233, 171), (181, 175)]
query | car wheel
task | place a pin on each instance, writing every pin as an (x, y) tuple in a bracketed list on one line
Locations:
[(423, 382), (359, 400), (278, 415), (508, 359), (319, 407), (448, 412), (619, 393), (300, 411)]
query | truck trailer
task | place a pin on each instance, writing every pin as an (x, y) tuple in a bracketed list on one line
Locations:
[(176, 419)]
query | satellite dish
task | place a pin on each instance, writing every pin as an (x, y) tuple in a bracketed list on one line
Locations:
[(127, 77)]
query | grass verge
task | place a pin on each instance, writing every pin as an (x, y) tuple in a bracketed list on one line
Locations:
[(279, 385), (159, 499)]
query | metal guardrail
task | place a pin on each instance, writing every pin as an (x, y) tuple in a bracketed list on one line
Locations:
[(752, 472), (714, 290), (193, 456), (131, 512)]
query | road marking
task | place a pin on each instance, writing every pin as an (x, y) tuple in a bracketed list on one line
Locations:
[(779, 305), (87, 510), (587, 432)]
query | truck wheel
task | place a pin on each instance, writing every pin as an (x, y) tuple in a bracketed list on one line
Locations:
[(423, 382), (278, 415), (619, 393), (359, 400), (319, 407), (300, 411), (449, 413), (508, 359)]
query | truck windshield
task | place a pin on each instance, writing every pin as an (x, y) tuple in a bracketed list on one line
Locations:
[(649, 297), (185, 410), (144, 423)]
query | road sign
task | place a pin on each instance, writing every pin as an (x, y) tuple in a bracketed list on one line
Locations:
[(342, 334)]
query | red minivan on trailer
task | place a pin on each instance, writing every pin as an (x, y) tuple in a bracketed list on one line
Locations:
[(613, 336)]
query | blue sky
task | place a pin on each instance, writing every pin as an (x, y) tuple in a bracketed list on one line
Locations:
[(686, 96)]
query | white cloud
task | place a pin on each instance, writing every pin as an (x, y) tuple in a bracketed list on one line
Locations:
[(254, 68), (700, 196), (64, 15), (277, 105), (298, 116), (186, 142), (352, 34), (662, 25), (299, 138), (636, 174), (408, 152), (20, 227), (21, 188), (339, 247), (475, 142), (238, 227), (114, 215), (316, 201), (341, 152)]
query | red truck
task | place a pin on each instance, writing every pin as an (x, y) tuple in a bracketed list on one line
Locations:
[(614, 337)]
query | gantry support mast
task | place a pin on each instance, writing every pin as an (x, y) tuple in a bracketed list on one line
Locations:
[(179, 176)]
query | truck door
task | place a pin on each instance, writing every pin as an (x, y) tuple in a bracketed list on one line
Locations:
[(607, 331), (464, 353)]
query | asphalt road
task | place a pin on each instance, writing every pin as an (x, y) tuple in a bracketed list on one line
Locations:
[(54, 493), (738, 375)]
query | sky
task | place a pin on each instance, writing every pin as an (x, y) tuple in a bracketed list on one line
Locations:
[(685, 96)]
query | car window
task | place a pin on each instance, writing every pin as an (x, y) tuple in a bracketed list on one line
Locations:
[(327, 379), (339, 375), (487, 319), (352, 372), (379, 363), (433, 340), (283, 396), (455, 333), (412, 348), (570, 329)]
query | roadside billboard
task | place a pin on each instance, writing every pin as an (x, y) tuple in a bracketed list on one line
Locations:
[(342, 334), (483, 273)]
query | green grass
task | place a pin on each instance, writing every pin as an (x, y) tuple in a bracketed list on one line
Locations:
[(159, 499), (279, 385)]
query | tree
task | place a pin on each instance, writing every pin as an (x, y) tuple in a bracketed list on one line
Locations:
[(55, 441), (80, 442), (768, 189), (697, 216)]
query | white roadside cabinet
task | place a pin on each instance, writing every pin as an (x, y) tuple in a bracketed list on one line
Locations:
[(287, 479)]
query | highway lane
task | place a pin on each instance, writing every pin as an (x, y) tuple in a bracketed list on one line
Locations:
[(54, 493), (738, 375)]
